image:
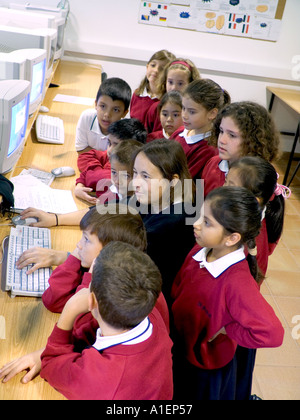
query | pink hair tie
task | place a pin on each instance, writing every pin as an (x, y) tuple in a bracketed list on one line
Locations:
[(183, 63), (282, 190)]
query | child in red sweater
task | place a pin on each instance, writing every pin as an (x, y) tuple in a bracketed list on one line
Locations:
[(240, 129), (130, 356), (260, 177), (95, 164), (217, 302), (116, 224), (116, 184), (147, 93), (201, 102), (175, 77), (169, 109)]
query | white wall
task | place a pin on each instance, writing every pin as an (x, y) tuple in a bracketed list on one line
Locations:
[(111, 36)]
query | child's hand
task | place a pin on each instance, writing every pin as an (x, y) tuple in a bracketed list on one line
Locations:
[(40, 257), (31, 361), (82, 192), (78, 304)]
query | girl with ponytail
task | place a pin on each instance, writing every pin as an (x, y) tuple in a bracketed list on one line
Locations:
[(260, 177), (217, 303)]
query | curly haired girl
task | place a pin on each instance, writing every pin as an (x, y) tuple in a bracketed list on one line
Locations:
[(240, 129)]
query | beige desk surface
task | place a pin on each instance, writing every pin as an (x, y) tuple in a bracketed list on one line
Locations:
[(28, 324), (289, 96)]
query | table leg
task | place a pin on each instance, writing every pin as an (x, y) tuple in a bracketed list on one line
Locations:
[(291, 155)]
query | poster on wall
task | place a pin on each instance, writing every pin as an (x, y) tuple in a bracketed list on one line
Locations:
[(259, 19)]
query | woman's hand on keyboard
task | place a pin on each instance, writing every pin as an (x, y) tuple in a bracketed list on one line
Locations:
[(41, 257), (31, 361), (44, 219)]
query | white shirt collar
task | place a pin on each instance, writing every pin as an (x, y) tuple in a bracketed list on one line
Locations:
[(195, 138), (216, 268), (114, 190), (224, 166), (145, 94), (166, 136), (95, 128), (136, 335)]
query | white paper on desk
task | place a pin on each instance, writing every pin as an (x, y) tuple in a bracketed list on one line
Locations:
[(74, 99), (31, 192)]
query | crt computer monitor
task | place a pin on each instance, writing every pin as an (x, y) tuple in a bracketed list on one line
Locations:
[(27, 64), (60, 16), (14, 109), (12, 38)]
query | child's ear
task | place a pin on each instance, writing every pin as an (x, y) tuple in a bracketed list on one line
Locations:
[(93, 304), (95, 104), (233, 239), (213, 113)]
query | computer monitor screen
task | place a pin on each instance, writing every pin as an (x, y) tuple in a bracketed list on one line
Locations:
[(12, 37), (27, 64), (19, 117), (14, 111), (38, 81)]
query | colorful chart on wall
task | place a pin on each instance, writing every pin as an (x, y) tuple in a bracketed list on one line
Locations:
[(259, 19)]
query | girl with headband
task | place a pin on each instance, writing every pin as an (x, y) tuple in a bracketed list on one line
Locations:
[(176, 76)]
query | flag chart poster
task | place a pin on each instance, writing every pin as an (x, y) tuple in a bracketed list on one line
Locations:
[(259, 19)]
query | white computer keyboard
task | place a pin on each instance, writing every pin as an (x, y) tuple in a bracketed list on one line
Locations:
[(50, 129), (17, 281)]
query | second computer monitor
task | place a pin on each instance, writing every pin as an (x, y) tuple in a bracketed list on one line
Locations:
[(26, 64)]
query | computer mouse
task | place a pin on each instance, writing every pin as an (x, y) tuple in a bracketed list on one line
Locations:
[(24, 222), (63, 171), (43, 108)]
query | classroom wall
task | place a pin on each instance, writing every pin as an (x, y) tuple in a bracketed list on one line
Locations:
[(108, 34), (111, 36)]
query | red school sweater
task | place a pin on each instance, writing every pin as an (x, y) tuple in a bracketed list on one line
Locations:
[(140, 105), (152, 120), (204, 304), (93, 157), (69, 277), (212, 175), (197, 154), (140, 371)]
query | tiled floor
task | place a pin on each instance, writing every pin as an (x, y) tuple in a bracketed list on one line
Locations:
[(277, 371)]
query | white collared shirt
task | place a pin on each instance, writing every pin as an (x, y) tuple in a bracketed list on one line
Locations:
[(145, 94), (114, 190), (194, 139), (136, 335), (88, 132), (217, 267), (224, 166)]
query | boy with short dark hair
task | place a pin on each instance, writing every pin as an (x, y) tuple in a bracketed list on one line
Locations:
[(97, 231), (95, 164), (111, 104), (130, 357)]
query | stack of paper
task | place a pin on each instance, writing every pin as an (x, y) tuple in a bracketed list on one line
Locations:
[(31, 192)]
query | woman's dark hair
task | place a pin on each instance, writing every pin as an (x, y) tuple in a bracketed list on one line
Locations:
[(169, 157), (260, 177), (237, 210)]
